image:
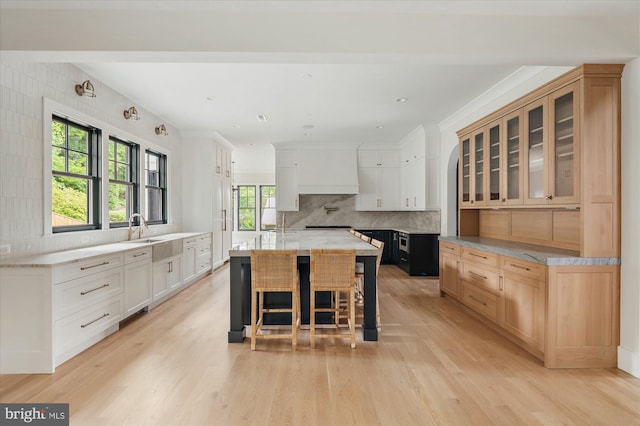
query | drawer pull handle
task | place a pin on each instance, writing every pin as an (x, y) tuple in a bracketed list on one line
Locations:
[(84, 268), (520, 267), (477, 255), (478, 275), (140, 254), (449, 248), (91, 322), (82, 293), (477, 300)]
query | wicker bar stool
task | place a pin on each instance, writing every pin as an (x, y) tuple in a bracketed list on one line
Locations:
[(333, 270), (365, 238), (273, 271), (359, 279)]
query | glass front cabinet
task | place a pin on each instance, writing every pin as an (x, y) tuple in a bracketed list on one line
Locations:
[(526, 157)]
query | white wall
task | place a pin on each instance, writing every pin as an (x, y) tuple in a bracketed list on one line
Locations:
[(629, 350), (198, 165), (519, 84), (22, 151)]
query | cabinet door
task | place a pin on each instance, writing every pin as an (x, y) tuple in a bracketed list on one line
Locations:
[(137, 286), (287, 158), (388, 188), (367, 198), (449, 269), (189, 262), (466, 168), (564, 170), (368, 158), (512, 159), (494, 182), (535, 124), (219, 160), (523, 308), (287, 189), (389, 158), (160, 279), (480, 168), (175, 272)]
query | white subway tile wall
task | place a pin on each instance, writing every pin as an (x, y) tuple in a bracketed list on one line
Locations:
[(22, 89)]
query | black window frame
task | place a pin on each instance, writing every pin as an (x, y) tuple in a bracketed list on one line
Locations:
[(262, 208), (134, 165), (246, 208), (162, 185), (93, 175)]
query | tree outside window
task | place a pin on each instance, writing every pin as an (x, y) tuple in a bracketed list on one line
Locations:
[(123, 186), (267, 207), (75, 201), (246, 208)]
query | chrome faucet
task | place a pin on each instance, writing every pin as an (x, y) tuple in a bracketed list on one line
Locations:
[(131, 230)]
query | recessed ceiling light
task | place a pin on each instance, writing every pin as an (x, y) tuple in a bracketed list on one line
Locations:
[(401, 99), (306, 75), (308, 126), (235, 126), (379, 127), (250, 144), (306, 134), (211, 98), (262, 117)]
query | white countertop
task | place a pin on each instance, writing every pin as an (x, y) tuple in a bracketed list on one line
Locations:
[(304, 241), (49, 259)]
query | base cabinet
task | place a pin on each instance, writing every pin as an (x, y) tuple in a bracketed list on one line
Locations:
[(167, 276), (137, 288), (568, 316)]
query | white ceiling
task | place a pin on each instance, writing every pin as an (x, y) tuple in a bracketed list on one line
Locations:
[(338, 66)]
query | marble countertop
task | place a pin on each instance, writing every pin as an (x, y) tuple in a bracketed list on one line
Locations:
[(304, 241), (530, 252), (50, 259)]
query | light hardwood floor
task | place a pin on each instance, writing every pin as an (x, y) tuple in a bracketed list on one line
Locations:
[(433, 364)]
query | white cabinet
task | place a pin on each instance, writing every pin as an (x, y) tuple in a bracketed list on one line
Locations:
[(188, 259), (287, 180), (223, 163), (203, 254), (413, 174), (167, 276), (379, 178), (222, 221), (137, 280), (329, 170)]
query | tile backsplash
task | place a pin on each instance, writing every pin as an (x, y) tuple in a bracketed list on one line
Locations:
[(339, 210)]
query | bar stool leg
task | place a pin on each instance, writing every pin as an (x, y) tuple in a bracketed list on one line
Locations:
[(352, 317), (254, 320), (312, 318)]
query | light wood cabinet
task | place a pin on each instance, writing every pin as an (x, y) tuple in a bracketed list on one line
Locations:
[(568, 316), (560, 154)]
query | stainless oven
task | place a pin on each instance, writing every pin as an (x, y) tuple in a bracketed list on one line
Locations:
[(403, 244)]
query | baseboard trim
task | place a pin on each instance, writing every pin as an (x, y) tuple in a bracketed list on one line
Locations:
[(629, 361)]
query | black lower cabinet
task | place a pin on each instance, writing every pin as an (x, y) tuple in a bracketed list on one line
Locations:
[(423, 255), (387, 238)]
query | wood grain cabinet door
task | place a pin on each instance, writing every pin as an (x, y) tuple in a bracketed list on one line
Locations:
[(523, 310)]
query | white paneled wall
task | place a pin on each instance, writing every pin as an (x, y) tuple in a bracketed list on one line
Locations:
[(22, 89)]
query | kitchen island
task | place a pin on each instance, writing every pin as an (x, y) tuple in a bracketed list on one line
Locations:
[(303, 242)]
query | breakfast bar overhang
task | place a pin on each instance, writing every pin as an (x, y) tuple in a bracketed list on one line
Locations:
[(303, 242)]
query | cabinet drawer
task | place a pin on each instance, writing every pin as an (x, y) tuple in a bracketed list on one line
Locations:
[(480, 256), (481, 301), (203, 262), (142, 253), (449, 248), (74, 295), (482, 276), (81, 326), (189, 242), (85, 267), (532, 270)]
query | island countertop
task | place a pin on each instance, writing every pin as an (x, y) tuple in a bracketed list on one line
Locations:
[(304, 242)]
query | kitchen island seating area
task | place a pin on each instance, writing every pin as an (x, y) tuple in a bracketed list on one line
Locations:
[(302, 242)]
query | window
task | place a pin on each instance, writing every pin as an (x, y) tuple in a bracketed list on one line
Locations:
[(246, 208), (156, 187), (123, 181), (75, 194), (267, 207)]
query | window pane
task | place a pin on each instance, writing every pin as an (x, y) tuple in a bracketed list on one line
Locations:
[(77, 163), (122, 172), (58, 160), (112, 170), (78, 139), (58, 133), (120, 202), (122, 153), (247, 220), (154, 204), (112, 149), (69, 201)]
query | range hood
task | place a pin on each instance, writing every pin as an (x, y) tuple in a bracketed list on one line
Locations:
[(327, 171)]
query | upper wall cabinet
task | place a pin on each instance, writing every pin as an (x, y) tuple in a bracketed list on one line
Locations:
[(555, 150), (223, 167), (287, 180), (379, 180)]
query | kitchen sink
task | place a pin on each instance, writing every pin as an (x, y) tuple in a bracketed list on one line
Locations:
[(165, 249)]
